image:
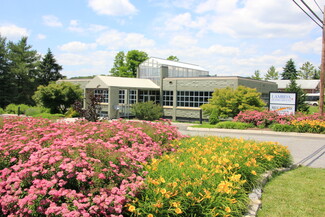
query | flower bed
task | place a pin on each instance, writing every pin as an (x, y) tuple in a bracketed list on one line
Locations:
[(75, 169), (206, 177), (297, 123)]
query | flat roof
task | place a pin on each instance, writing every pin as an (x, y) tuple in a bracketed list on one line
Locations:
[(215, 78), (128, 83), (304, 84)]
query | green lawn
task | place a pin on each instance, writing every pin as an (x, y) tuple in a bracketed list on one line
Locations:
[(300, 192)]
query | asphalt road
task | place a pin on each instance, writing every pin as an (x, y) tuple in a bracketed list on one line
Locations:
[(306, 149)]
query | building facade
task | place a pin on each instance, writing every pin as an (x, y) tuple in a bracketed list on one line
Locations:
[(181, 89)]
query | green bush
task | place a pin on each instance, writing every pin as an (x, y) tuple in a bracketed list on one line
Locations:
[(49, 116), (214, 118), (234, 125), (283, 127), (2, 111), (71, 113), (33, 111), (13, 108), (148, 111)]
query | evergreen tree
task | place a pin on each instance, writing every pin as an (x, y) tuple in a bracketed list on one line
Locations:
[(306, 71), (289, 71), (256, 75), (272, 74), (5, 79), (301, 96), (173, 58), (49, 69), (316, 74), (23, 64)]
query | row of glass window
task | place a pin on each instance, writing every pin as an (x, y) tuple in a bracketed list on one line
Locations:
[(184, 98)]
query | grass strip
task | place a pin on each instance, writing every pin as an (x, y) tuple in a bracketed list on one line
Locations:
[(300, 192)]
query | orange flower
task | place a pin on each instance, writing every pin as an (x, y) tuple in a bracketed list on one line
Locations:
[(227, 209), (254, 172), (178, 211), (149, 215), (131, 208)]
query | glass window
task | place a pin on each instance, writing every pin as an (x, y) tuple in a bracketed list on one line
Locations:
[(103, 94), (168, 98), (132, 96), (121, 97), (193, 98)]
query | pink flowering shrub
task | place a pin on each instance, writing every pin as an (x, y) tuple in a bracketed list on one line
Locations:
[(266, 118), (75, 169)]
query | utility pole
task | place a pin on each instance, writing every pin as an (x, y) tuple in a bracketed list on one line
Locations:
[(322, 72)]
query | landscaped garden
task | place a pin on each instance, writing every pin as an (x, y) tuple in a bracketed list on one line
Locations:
[(126, 169), (302, 123)]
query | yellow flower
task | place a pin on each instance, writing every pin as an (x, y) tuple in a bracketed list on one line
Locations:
[(174, 184), (163, 191), (188, 194), (178, 211), (131, 208), (227, 209), (254, 172), (149, 215)]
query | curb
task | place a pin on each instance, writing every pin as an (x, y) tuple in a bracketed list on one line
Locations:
[(255, 196), (260, 132)]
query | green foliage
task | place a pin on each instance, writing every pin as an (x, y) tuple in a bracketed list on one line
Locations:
[(306, 71), (23, 62), (301, 96), (33, 111), (126, 65), (228, 102), (147, 111), (173, 58), (5, 78), (234, 125), (290, 71), (49, 69), (214, 118), (2, 111), (257, 75), (71, 113), (282, 127), (58, 97), (13, 108), (272, 74), (49, 116)]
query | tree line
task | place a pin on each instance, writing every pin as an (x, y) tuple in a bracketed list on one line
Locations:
[(306, 72), (22, 70)]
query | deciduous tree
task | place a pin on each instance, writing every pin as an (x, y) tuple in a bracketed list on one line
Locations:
[(58, 97), (173, 58), (256, 75), (228, 102)]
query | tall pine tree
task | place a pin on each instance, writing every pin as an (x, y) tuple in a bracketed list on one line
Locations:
[(23, 64), (5, 78), (301, 95), (49, 69), (289, 71), (272, 74)]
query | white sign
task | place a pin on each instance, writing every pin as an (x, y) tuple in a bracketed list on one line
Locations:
[(283, 103), (282, 98)]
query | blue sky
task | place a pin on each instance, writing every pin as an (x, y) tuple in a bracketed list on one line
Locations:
[(227, 37)]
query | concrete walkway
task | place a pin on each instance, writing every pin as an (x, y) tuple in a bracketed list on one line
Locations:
[(306, 148)]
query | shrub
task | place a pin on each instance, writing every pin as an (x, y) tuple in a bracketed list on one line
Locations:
[(148, 111), (49, 116), (206, 177), (71, 113), (33, 111), (2, 111), (234, 125), (13, 108), (214, 118), (75, 169), (283, 128)]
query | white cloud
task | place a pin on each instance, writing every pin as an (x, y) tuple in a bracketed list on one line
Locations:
[(41, 36), (182, 21), (76, 46), (13, 32), (93, 28), (223, 50), (183, 41), (52, 21), (116, 40), (113, 7), (314, 46), (267, 19)]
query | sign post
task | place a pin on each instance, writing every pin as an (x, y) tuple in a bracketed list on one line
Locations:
[(283, 103)]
